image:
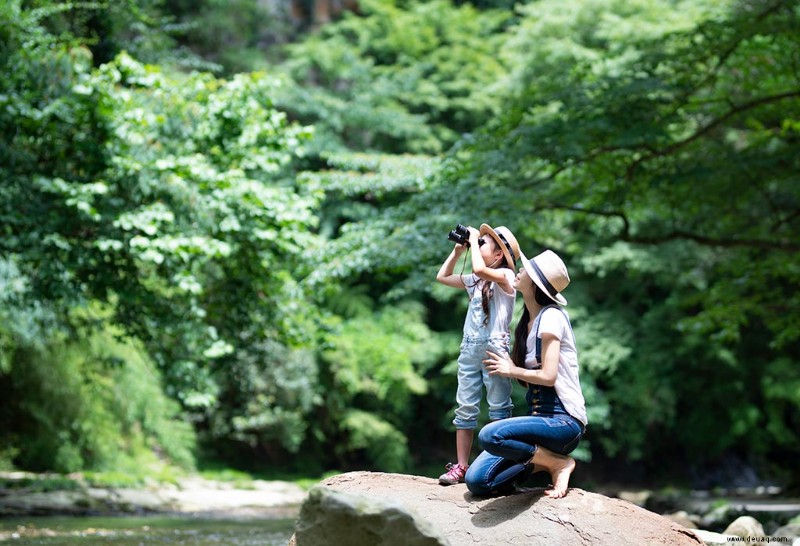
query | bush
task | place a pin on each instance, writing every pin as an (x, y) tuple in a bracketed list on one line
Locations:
[(93, 404)]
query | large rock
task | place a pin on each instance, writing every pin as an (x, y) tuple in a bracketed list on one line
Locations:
[(335, 517), (526, 517)]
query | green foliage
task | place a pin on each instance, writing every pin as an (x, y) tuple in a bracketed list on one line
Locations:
[(232, 34), (139, 27), (7, 456), (378, 357), (668, 147), (38, 484), (260, 264), (374, 366), (164, 197), (90, 404), (23, 320), (267, 395), (399, 77), (384, 445), (661, 163), (583, 41)]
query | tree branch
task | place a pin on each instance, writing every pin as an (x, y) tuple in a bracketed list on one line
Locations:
[(625, 235), (784, 246), (735, 110)]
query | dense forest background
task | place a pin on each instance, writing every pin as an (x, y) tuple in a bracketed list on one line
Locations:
[(220, 224)]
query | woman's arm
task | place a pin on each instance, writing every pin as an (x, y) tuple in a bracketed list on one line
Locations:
[(503, 366), (445, 274)]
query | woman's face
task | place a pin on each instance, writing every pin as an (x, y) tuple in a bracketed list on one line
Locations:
[(522, 281)]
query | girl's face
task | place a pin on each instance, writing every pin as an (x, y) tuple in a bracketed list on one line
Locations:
[(491, 253), (523, 282)]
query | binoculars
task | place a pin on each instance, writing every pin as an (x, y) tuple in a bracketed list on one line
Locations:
[(459, 235)]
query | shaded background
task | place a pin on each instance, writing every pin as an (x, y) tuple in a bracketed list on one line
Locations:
[(221, 224)]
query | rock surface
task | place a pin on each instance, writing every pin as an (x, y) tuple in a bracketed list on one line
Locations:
[(334, 517), (526, 517)]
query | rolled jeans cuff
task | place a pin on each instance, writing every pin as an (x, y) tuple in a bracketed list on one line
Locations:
[(464, 424)]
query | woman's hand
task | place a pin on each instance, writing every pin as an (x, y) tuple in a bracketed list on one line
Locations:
[(501, 365)]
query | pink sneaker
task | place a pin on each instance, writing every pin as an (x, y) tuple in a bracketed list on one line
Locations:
[(455, 474)]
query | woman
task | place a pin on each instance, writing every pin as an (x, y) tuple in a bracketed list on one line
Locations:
[(546, 360)]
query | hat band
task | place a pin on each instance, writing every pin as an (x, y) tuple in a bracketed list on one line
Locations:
[(508, 247), (550, 288)]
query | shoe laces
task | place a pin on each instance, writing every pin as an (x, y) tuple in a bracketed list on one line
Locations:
[(454, 469)]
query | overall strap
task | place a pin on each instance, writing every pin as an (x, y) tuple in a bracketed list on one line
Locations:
[(536, 337)]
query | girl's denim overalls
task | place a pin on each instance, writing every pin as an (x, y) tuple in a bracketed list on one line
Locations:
[(472, 374)]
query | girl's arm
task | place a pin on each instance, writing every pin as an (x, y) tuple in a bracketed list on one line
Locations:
[(445, 274), (503, 366), (481, 270)]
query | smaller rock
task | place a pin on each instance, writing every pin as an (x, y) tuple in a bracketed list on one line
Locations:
[(790, 531), (712, 539), (746, 527), (336, 518), (639, 498), (681, 517)]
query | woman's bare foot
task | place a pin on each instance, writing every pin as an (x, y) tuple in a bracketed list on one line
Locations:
[(560, 476), (560, 468)]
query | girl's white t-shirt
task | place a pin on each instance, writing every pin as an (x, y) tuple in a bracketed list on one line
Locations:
[(568, 386), (501, 307)]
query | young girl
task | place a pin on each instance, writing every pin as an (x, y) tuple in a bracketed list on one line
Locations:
[(546, 360), (494, 255)]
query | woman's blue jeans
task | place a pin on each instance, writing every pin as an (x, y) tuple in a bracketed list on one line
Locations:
[(509, 445)]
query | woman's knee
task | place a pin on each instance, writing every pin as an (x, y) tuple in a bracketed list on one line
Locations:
[(478, 474), (477, 484), (487, 436)]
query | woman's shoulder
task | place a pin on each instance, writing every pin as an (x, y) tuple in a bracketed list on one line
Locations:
[(551, 317)]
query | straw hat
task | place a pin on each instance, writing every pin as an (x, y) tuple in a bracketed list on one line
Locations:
[(505, 241), (549, 273)]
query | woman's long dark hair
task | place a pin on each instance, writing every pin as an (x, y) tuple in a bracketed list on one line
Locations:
[(521, 338), (521, 331)]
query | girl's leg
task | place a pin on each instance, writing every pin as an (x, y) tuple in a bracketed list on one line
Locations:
[(468, 398), (464, 438), (470, 385), (498, 389)]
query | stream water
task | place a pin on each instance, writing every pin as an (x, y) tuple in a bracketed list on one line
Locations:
[(144, 531)]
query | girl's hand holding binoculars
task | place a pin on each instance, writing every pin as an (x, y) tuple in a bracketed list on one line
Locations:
[(474, 235)]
